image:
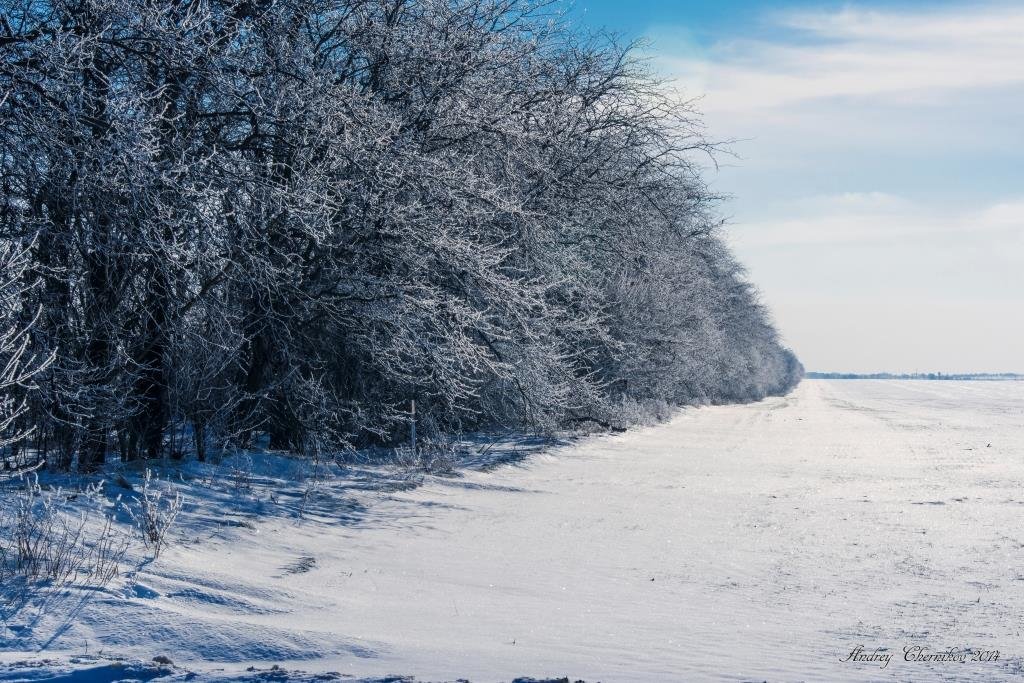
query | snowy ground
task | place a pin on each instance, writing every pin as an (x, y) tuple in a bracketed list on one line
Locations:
[(755, 542)]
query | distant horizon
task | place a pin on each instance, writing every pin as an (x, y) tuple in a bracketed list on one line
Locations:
[(817, 374)]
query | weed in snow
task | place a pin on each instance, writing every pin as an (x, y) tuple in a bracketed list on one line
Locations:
[(44, 539), (154, 514)]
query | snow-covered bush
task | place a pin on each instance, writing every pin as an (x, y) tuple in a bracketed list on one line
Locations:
[(434, 455), (58, 537)]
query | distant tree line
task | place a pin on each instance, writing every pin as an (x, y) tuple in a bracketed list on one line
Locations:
[(917, 375), (229, 218)]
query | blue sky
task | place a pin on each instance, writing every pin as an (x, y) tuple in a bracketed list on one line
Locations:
[(705, 18), (878, 189)]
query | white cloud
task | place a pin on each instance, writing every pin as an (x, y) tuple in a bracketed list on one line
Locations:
[(1008, 214), (978, 25), (879, 218), (860, 54), (866, 202)]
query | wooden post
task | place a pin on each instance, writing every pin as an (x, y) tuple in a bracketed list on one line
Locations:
[(412, 412)]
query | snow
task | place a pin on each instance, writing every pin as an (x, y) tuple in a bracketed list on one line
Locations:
[(761, 541)]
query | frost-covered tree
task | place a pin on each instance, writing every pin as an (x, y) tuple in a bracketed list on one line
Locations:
[(295, 217), (18, 364)]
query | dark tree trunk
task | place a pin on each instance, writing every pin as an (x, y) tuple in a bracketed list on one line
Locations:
[(93, 454), (150, 390), (199, 437)]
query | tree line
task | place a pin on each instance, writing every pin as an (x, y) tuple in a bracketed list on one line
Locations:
[(234, 218)]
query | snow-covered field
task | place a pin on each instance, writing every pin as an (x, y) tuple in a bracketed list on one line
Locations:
[(753, 542)]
